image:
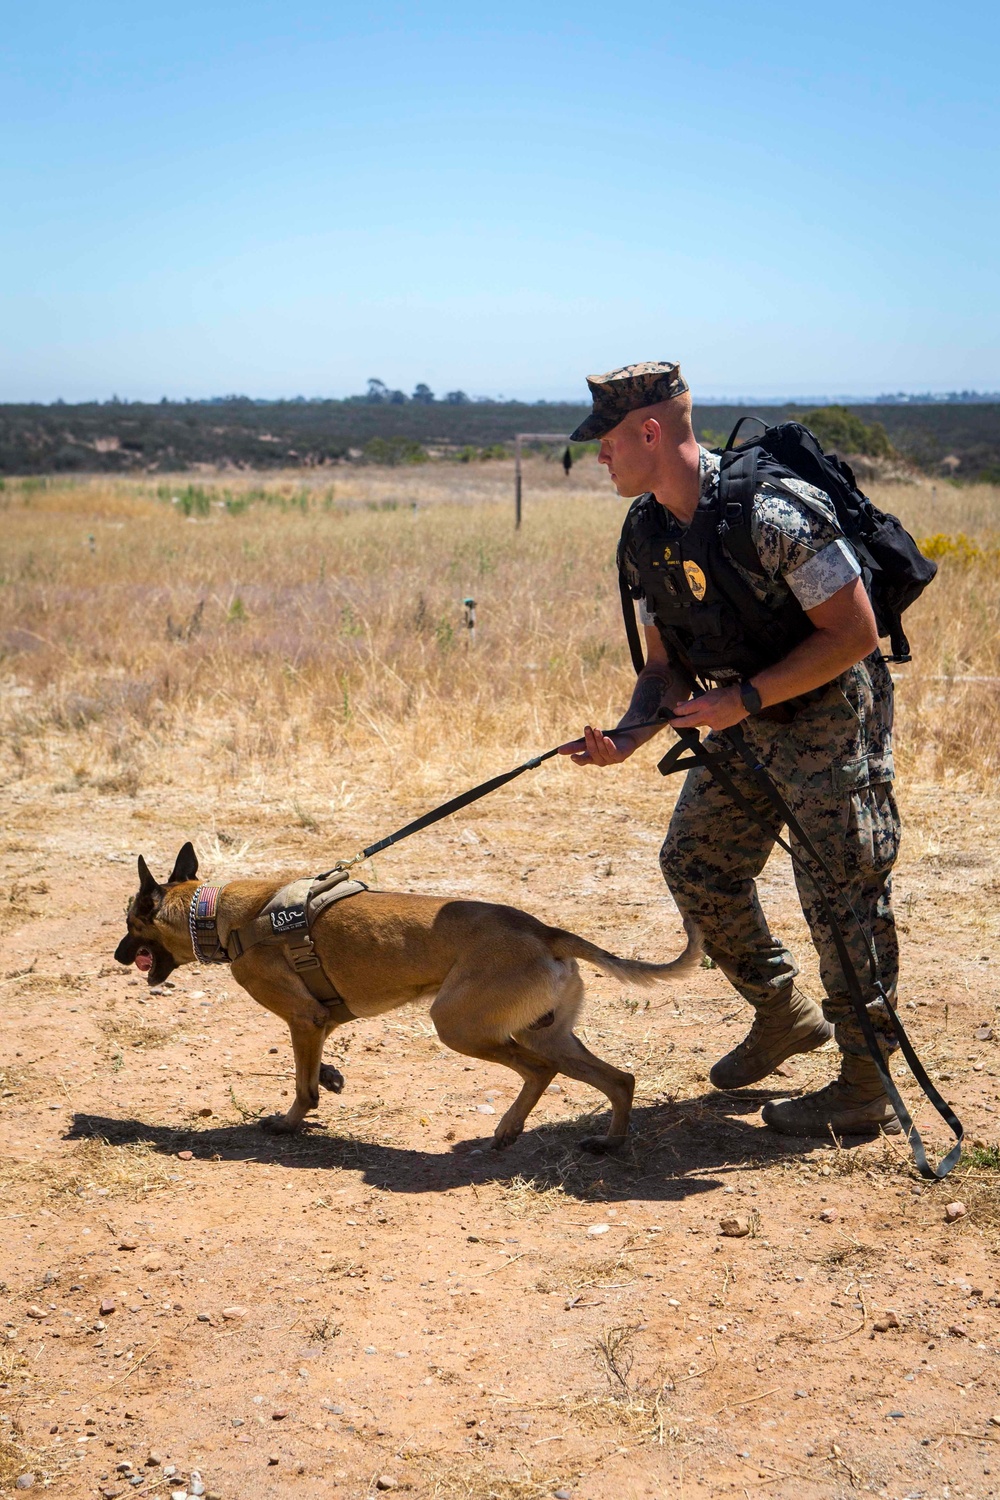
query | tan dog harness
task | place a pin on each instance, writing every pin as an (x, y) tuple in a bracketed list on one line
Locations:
[(286, 920)]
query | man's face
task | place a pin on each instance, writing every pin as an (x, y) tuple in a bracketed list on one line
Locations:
[(627, 453)]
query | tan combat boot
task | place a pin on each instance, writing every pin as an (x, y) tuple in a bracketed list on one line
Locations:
[(790, 1024), (854, 1104)]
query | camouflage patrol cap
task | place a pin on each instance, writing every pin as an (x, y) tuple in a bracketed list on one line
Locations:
[(628, 389)]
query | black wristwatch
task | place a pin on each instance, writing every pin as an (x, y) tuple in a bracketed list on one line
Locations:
[(750, 697)]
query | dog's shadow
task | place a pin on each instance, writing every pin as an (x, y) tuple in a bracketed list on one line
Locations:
[(675, 1150)]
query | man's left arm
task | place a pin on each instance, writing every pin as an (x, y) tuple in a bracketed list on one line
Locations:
[(845, 633)]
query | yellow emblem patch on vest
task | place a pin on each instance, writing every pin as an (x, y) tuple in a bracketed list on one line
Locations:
[(697, 582), (667, 555)]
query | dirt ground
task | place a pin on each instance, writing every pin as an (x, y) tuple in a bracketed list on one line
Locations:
[(383, 1301)]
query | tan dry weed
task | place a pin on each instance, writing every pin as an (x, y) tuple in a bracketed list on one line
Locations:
[(332, 624)]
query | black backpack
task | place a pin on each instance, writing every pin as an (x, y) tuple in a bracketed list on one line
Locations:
[(894, 569)]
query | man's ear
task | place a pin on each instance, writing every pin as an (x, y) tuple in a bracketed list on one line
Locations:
[(185, 865)]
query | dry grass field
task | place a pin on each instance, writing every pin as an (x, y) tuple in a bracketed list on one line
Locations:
[(278, 669)]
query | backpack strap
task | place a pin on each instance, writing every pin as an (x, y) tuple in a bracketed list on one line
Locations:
[(631, 624), (737, 488), (625, 592)]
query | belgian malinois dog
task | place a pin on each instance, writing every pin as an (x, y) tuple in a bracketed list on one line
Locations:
[(503, 986)]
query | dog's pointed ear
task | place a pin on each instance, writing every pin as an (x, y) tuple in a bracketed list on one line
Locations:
[(185, 865), (147, 885)]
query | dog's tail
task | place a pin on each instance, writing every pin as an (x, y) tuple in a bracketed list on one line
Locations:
[(631, 970)]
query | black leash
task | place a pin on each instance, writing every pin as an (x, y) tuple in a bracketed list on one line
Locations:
[(463, 800), (697, 754)]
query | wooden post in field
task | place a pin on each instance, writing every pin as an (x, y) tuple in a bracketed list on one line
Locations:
[(517, 482), (531, 437)]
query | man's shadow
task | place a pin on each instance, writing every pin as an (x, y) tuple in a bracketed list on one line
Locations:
[(676, 1149)]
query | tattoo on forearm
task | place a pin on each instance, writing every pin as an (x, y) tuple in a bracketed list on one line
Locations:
[(648, 700)]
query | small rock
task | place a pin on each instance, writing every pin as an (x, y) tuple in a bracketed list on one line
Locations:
[(206, 1112), (185, 1156), (24, 1482), (829, 1216), (801, 1395), (885, 1321), (735, 1226), (128, 1244), (984, 1034), (124, 1467), (196, 1485), (273, 1459), (153, 1263), (333, 1406), (386, 1482), (232, 1313), (279, 1414), (34, 1311), (953, 1211), (178, 1495), (995, 1420), (154, 1459), (204, 1317), (562, 1495), (958, 1331), (554, 1088), (598, 1228), (108, 1306)]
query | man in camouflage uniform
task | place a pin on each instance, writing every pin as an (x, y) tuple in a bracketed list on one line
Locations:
[(819, 720)]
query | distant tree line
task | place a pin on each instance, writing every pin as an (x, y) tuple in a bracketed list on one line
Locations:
[(960, 440), (379, 394)]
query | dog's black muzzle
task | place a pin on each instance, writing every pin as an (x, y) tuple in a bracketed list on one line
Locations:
[(163, 964)]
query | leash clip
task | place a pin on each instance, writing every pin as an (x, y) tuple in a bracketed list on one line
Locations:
[(348, 864)]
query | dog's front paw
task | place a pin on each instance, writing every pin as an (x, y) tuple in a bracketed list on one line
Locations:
[(279, 1125), (601, 1145), (331, 1078)]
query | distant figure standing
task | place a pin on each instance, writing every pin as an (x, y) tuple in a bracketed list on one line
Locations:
[(816, 709), (567, 462)]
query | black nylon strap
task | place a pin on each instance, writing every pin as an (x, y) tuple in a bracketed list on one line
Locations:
[(447, 808), (697, 754), (631, 626), (473, 795)]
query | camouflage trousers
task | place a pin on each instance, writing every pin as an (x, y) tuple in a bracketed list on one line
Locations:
[(713, 853)]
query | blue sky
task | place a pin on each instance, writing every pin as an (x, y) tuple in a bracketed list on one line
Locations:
[(289, 198)]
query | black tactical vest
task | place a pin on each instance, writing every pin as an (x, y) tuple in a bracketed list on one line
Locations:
[(710, 619)]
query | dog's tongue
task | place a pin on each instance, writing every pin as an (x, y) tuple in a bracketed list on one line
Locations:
[(144, 962)]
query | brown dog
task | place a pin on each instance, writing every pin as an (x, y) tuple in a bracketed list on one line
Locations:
[(503, 986)]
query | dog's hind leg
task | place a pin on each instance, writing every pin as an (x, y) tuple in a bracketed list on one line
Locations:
[(567, 1054), (563, 1050), (459, 1017)]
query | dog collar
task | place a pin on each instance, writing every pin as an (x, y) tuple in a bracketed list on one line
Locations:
[(202, 924)]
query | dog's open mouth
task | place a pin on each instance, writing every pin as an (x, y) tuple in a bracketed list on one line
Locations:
[(144, 960)]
